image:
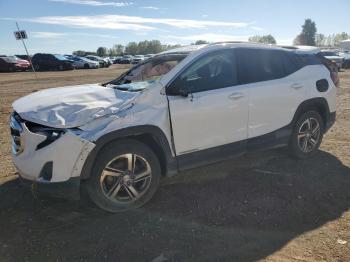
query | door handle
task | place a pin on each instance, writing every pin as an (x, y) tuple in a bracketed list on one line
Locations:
[(296, 86), (236, 96)]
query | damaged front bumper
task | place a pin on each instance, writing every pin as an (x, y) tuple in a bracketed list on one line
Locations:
[(47, 162)]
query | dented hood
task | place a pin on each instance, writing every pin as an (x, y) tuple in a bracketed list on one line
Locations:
[(72, 106)]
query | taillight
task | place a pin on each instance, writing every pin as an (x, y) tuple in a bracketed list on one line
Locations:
[(335, 78)]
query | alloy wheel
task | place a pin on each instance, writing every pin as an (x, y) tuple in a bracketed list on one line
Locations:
[(309, 135), (126, 178)]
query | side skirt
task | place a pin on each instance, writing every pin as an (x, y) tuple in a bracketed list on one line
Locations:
[(213, 155)]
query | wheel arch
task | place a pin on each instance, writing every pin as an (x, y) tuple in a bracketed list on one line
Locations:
[(319, 104), (150, 135)]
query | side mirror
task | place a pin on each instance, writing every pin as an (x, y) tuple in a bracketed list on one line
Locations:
[(183, 91), (179, 88)]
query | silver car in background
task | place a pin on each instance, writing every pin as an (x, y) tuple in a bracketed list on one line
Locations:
[(334, 57), (82, 62)]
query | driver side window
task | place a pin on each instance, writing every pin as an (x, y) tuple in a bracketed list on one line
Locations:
[(212, 71)]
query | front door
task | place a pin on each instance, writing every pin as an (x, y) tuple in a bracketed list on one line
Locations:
[(215, 113)]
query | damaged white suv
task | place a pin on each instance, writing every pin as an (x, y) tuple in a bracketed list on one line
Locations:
[(178, 110)]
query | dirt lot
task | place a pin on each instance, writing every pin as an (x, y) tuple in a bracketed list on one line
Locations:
[(263, 206)]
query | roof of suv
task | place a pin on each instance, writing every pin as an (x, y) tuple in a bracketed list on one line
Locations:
[(219, 45)]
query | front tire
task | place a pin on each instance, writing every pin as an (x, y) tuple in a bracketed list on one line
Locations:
[(307, 135), (125, 176)]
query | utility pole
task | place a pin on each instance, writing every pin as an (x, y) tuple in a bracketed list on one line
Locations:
[(25, 47)]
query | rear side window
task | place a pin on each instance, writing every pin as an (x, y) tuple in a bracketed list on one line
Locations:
[(290, 63), (306, 60), (256, 65)]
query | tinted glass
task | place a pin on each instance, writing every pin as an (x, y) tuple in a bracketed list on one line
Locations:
[(61, 57), (256, 65), (9, 59), (212, 71), (290, 62), (305, 60), (329, 53)]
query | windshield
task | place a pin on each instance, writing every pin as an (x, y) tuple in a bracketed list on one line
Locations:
[(61, 57), (329, 53), (152, 69), (14, 57), (9, 59)]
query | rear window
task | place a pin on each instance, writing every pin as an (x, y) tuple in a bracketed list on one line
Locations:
[(61, 57)]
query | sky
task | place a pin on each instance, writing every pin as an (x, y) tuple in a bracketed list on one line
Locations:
[(62, 26)]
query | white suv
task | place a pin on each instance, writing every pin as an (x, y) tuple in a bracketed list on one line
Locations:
[(178, 110)]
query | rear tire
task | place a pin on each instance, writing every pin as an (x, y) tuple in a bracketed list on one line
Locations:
[(125, 176), (60, 68), (307, 135)]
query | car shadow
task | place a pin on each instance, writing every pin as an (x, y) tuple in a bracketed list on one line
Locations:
[(244, 209)]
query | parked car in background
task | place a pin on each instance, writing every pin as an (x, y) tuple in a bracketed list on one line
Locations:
[(20, 60), (137, 59), (82, 62), (333, 56), (108, 60), (12, 64), (100, 60), (51, 62), (117, 59), (24, 57), (149, 56), (181, 109), (346, 56), (127, 59)]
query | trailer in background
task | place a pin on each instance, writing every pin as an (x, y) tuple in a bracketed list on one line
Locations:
[(345, 45)]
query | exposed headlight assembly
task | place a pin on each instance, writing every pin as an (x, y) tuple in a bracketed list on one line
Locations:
[(51, 134)]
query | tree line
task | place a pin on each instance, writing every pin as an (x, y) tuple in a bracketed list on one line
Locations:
[(132, 48), (307, 36)]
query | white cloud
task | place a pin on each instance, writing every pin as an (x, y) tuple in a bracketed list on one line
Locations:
[(51, 35), (150, 7), (210, 37), (94, 3), (102, 22), (257, 28), (124, 22), (47, 35)]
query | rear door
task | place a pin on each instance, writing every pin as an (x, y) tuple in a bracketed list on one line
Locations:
[(275, 91), (216, 111)]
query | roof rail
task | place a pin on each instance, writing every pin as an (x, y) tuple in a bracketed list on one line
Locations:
[(240, 42)]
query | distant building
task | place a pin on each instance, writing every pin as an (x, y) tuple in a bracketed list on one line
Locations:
[(345, 44)]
